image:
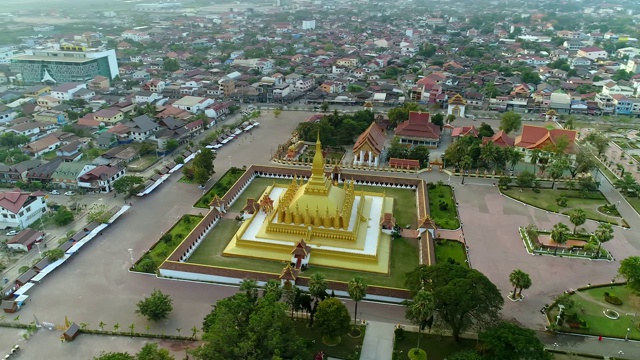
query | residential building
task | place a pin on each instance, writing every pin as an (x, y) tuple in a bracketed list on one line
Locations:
[(193, 104), (142, 128), (593, 53), (308, 24), (304, 84), (37, 90), (611, 88), (108, 116), (7, 114), (347, 62), (41, 146), (418, 130), (43, 172), (20, 209), (66, 91), (52, 116), (101, 178), (99, 83), (48, 102), (135, 35), (623, 105), (55, 66), (14, 173), (560, 102), (67, 174), (605, 103), (33, 129)]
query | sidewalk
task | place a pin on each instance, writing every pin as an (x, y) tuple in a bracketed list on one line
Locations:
[(378, 341), (590, 345)]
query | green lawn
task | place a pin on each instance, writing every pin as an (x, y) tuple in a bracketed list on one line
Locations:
[(404, 258), (437, 347), (443, 207), (546, 199), (404, 203), (162, 249), (589, 309), (142, 163), (255, 190), (348, 348), (451, 249), (335, 154), (220, 187)]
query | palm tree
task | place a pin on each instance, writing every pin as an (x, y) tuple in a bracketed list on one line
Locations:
[(465, 164), (535, 157), (116, 327), (147, 327), (131, 327), (357, 289), (250, 287), (525, 284), (543, 163), (317, 285), (626, 184), (577, 218), (516, 278), (559, 235), (557, 170), (603, 233), (178, 330), (419, 310), (194, 332), (83, 326), (102, 325), (489, 154), (513, 157), (272, 287), (2, 318)]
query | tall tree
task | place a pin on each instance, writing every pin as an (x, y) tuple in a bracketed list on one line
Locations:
[(507, 341), (598, 141), (318, 285), (583, 163), (155, 307), (401, 113), (559, 235), (517, 278), (465, 165), (513, 157), (153, 352), (128, 184), (238, 328), (249, 287), (357, 289), (333, 319), (603, 233), (203, 165), (630, 270), (419, 310), (577, 218), (557, 170), (489, 154), (525, 284), (463, 298), (510, 122), (534, 159), (273, 287)]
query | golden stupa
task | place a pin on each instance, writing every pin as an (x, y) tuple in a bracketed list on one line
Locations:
[(339, 224)]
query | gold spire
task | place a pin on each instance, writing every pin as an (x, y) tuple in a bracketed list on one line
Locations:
[(318, 183)]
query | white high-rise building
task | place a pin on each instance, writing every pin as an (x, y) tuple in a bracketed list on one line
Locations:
[(308, 24)]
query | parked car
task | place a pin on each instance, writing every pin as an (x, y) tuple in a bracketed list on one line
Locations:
[(12, 233), (70, 193), (55, 192)]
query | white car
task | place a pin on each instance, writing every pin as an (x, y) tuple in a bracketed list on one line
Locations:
[(12, 233), (69, 193), (55, 192)]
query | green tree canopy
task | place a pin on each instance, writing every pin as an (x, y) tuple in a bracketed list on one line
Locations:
[(155, 307), (401, 113), (203, 165), (510, 122), (63, 216), (257, 329), (630, 271), (128, 184), (463, 298), (507, 341), (332, 318)]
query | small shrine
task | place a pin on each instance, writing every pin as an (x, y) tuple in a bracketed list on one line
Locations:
[(300, 255), (266, 204), (551, 115), (457, 105), (387, 221), (288, 274), (251, 207), (217, 204)]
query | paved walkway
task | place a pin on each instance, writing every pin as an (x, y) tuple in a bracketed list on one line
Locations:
[(378, 341)]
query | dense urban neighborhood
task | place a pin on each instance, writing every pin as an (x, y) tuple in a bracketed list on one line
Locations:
[(320, 179)]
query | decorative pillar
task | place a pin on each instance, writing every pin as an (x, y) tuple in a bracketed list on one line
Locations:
[(369, 159), (361, 157), (376, 160)]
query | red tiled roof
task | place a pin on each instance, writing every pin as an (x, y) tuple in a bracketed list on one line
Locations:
[(500, 139), (418, 126), (537, 137), (14, 200), (374, 136), (404, 163), (465, 130)]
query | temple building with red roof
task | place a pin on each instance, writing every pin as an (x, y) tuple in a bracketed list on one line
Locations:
[(300, 255), (418, 130), (499, 139), (369, 146), (541, 138), (20, 209), (464, 131)]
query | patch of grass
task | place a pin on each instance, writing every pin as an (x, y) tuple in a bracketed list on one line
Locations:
[(451, 249), (165, 246), (255, 190), (348, 348), (220, 187), (142, 163), (404, 203), (443, 207), (437, 347), (404, 258)]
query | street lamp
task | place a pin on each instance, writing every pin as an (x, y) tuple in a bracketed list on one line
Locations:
[(626, 337)]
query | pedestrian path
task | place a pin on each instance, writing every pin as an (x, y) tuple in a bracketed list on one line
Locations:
[(378, 341)]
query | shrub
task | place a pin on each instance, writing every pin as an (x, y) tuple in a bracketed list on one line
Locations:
[(417, 354), (612, 299), (399, 332), (561, 201), (536, 190), (147, 265), (442, 205), (166, 238), (431, 185)]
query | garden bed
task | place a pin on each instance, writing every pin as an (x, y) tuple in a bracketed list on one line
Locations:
[(167, 244), (442, 206), (573, 247), (451, 251), (348, 348), (220, 187), (437, 347)]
